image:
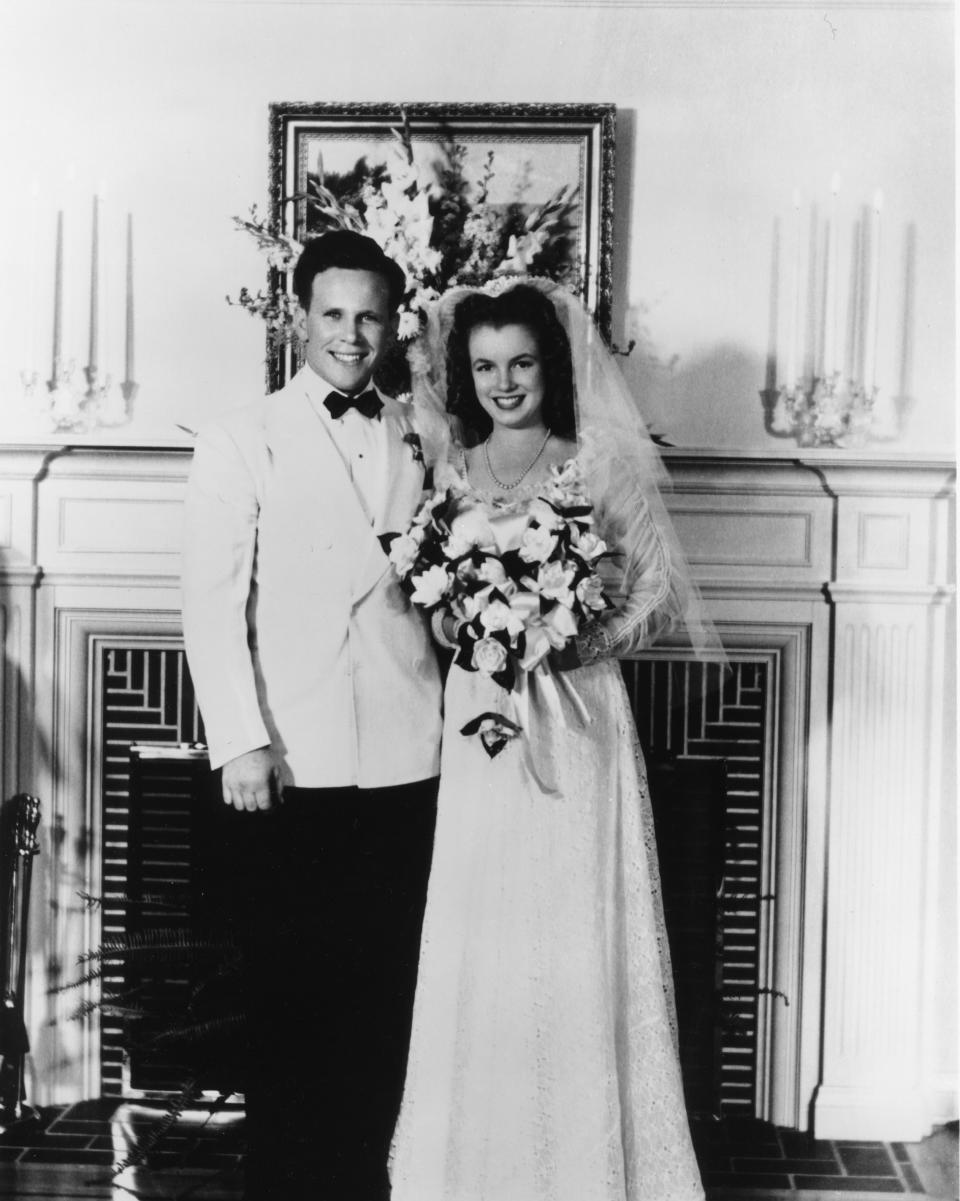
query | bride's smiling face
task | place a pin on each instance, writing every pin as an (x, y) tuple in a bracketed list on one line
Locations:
[(507, 374)]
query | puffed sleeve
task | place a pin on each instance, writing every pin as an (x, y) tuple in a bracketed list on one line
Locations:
[(638, 579)]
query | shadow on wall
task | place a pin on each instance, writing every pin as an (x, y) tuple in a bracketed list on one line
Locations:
[(717, 400), (31, 764), (711, 400)]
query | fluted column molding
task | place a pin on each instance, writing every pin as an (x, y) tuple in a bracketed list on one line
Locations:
[(889, 602)]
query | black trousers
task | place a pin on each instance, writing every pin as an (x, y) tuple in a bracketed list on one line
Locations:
[(328, 891)]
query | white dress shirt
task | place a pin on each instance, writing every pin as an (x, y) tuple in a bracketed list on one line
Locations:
[(361, 443)]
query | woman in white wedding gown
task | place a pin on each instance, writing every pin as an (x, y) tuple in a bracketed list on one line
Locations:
[(543, 1062)]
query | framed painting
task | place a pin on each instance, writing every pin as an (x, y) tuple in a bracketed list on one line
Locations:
[(487, 188)]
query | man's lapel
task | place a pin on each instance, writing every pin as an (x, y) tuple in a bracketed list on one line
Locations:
[(315, 472), (405, 471), (401, 496), (323, 479)]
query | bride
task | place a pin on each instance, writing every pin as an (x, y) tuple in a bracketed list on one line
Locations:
[(543, 1062)]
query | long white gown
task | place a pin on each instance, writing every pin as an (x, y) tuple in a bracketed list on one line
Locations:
[(543, 1062)]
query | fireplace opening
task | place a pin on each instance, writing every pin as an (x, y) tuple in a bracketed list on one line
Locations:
[(704, 741), (711, 811), (153, 776)]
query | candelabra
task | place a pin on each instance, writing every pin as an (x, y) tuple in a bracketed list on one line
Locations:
[(830, 411), (68, 404), (80, 402)]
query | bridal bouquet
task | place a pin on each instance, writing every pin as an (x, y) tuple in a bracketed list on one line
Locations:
[(513, 607)]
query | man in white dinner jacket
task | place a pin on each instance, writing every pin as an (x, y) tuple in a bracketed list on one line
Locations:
[(320, 696)]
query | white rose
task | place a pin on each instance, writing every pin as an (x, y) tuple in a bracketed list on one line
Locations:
[(403, 553), (590, 546), (430, 587), (554, 582), (590, 593), (537, 545), (491, 572), (489, 656), (498, 616), (495, 617)]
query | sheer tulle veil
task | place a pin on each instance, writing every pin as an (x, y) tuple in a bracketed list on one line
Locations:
[(622, 468)]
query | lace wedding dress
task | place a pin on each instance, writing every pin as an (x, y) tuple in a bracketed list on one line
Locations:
[(543, 1062)]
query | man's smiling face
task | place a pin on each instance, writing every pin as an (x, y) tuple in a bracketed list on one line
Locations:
[(347, 328)]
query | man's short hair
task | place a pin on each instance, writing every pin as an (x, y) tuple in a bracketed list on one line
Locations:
[(351, 251)]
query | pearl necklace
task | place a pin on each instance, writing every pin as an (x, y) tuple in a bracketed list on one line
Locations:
[(523, 474)]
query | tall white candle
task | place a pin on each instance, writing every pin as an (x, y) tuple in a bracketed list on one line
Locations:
[(72, 280), (33, 284), (823, 328), (909, 284), (853, 307), (873, 331), (811, 323), (793, 343), (57, 302), (770, 381), (833, 358), (107, 265), (94, 289), (864, 292), (128, 340)]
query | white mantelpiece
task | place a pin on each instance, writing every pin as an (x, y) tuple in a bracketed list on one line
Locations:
[(832, 566)]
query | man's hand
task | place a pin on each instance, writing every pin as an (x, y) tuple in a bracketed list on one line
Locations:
[(251, 781)]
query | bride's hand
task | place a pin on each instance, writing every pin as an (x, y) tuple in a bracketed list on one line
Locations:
[(567, 658)]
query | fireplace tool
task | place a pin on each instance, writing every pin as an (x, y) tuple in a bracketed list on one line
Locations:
[(19, 845)]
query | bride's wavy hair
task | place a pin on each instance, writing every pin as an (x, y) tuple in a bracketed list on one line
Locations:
[(519, 305)]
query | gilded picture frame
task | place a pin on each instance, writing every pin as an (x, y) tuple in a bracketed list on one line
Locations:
[(519, 154)]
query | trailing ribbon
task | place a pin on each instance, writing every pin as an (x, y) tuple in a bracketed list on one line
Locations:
[(536, 699)]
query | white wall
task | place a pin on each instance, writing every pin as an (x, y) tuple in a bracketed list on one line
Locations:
[(725, 111)]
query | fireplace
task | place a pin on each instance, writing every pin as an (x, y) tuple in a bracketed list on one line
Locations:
[(704, 739), (828, 576)]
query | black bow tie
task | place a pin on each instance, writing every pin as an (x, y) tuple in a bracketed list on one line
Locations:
[(367, 403)]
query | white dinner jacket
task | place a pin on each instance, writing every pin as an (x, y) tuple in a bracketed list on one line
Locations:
[(297, 633)]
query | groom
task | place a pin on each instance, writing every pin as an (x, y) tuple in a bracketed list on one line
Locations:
[(321, 701)]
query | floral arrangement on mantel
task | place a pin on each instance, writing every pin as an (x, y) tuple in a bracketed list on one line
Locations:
[(437, 223)]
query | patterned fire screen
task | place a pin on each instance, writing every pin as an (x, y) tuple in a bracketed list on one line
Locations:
[(705, 746)]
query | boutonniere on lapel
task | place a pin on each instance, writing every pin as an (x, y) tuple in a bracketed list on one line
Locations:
[(413, 441)]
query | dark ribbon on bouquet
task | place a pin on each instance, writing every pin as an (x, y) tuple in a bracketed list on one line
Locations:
[(367, 404)]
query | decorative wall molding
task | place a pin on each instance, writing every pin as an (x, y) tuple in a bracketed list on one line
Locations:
[(72, 629), (833, 567)]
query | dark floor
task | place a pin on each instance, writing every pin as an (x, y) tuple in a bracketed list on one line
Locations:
[(199, 1156), (738, 1153)]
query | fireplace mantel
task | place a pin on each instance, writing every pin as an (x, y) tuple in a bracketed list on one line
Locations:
[(836, 565)]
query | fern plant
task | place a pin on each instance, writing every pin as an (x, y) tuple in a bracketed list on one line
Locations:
[(175, 991)]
